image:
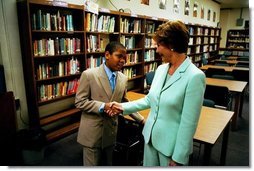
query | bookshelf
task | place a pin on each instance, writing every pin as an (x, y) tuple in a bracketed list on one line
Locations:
[(203, 39), (58, 42), (237, 42), (53, 54), (238, 39)]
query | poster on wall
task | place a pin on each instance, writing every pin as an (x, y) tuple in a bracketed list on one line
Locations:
[(202, 12), (146, 2), (162, 4), (187, 7), (214, 16), (208, 14), (176, 6), (195, 9)]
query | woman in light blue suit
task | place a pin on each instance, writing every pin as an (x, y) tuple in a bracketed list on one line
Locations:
[(175, 99)]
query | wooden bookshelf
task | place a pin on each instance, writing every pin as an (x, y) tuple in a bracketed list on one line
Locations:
[(53, 54), (237, 43), (203, 39), (59, 42)]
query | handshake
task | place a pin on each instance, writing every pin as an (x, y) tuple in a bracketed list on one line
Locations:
[(113, 108)]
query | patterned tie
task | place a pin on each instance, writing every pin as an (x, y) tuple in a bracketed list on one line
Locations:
[(113, 82)]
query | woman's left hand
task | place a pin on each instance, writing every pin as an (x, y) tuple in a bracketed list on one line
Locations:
[(173, 163)]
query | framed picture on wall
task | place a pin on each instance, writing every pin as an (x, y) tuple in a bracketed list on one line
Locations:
[(176, 6), (202, 12), (162, 4), (195, 9), (214, 16), (208, 14), (146, 2), (187, 7)]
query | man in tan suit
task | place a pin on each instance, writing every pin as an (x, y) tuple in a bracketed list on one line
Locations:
[(98, 87)]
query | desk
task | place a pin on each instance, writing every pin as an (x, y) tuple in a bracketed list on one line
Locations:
[(227, 68), (235, 87), (230, 62), (236, 57), (212, 123)]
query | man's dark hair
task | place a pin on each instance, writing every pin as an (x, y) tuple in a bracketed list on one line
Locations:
[(113, 46)]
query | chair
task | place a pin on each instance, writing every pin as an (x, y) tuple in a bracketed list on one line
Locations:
[(225, 77), (220, 95), (208, 103), (221, 63), (242, 59), (204, 60), (149, 80), (247, 54), (227, 53), (242, 64), (214, 71), (240, 75)]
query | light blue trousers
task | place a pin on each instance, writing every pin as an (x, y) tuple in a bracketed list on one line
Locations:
[(152, 157)]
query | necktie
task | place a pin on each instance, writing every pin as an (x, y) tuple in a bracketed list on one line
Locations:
[(113, 82)]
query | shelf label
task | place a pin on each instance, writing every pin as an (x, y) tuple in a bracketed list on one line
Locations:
[(133, 15), (91, 7), (59, 3), (154, 18), (104, 10)]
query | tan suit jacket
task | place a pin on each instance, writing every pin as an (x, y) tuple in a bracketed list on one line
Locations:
[(97, 129)]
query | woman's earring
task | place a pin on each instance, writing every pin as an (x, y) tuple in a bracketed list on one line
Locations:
[(172, 49)]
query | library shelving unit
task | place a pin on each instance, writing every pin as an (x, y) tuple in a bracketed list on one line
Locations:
[(203, 39), (59, 41), (237, 42), (52, 42)]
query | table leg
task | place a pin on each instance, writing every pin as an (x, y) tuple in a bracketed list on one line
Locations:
[(224, 146), (207, 154), (236, 111), (241, 104)]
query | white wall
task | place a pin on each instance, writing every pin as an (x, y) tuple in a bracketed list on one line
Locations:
[(10, 46), (228, 19), (134, 6), (11, 56)]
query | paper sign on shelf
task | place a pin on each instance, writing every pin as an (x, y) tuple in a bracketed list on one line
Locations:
[(91, 6)]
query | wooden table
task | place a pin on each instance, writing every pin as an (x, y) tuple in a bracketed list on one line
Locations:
[(212, 123), (227, 68), (236, 57), (230, 62), (237, 89)]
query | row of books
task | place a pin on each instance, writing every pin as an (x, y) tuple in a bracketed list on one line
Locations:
[(128, 25), (51, 22), (238, 34), (203, 31), (92, 62), (96, 44), (239, 40), (62, 46), (150, 28), (150, 67), (149, 55), (149, 43), (132, 58), (130, 72), (51, 91), (128, 41), (101, 23), (206, 40), (58, 69)]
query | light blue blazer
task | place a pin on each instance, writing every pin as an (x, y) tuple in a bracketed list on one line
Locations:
[(174, 110)]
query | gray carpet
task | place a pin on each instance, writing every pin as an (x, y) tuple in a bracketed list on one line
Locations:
[(67, 152)]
